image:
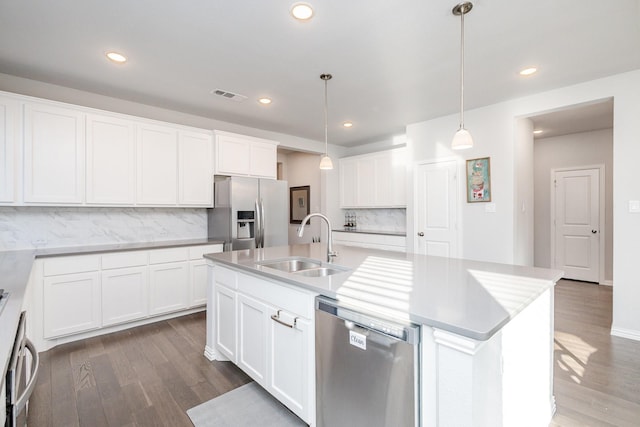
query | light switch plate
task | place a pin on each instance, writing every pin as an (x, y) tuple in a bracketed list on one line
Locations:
[(634, 206), (490, 207)]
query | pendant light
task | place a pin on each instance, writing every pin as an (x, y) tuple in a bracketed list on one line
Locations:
[(325, 161), (462, 138)]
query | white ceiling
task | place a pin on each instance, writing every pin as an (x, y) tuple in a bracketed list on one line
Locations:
[(580, 118), (393, 62)]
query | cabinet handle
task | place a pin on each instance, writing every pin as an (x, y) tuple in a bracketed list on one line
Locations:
[(276, 317), (421, 234)]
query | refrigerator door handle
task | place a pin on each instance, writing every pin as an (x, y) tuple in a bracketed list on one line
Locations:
[(258, 234), (262, 224)]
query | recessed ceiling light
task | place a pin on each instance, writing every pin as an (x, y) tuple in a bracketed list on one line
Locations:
[(347, 124), (537, 132), (301, 11), (116, 57), (528, 71), (264, 101)]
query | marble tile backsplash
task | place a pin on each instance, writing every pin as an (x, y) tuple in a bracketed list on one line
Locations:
[(33, 227), (380, 219)]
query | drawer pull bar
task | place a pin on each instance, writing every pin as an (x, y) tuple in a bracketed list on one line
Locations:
[(276, 317)]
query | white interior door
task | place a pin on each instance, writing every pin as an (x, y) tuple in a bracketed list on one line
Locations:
[(436, 209), (577, 224)]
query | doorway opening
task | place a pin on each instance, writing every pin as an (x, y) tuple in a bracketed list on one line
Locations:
[(573, 191)]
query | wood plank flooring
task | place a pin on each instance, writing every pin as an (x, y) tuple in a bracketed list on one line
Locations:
[(596, 375), (147, 376), (150, 375)]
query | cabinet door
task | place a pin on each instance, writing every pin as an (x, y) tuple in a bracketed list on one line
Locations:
[(226, 321), (399, 177), (9, 112), (198, 280), (252, 338), (71, 303), (348, 180), (366, 182), (290, 377), (124, 295), (110, 161), (195, 157), (168, 287), (53, 155), (157, 174), (264, 159), (233, 155)]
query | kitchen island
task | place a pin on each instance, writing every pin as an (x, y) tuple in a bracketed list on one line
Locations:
[(486, 336)]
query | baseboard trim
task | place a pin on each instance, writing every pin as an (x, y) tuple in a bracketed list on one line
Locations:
[(607, 283), (209, 353), (626, 333)]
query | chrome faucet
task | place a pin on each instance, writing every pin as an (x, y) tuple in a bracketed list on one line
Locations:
[(330, 252)]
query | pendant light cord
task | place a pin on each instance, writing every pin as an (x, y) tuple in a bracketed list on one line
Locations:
[(326, 121), (462, 69)]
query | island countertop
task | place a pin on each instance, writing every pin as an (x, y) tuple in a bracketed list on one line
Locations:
[(470, 298)]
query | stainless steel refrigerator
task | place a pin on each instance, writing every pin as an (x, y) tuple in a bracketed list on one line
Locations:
[(249, 212)]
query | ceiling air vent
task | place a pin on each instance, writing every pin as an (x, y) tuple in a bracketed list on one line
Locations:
[(229, 95)]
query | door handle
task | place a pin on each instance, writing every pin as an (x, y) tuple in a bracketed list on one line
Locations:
[(421, 234), (594, 231)]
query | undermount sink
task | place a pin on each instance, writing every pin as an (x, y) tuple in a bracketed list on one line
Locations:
[(321, 271), (292, 265), (303, 266)]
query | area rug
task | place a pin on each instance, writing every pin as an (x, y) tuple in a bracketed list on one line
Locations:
[(246, 406)]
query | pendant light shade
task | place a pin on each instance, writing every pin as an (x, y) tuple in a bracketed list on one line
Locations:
[(325, 161), (462, 138)]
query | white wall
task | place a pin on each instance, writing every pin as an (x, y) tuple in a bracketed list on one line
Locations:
[(523, 245), (491, 236), (578, 149), (485, 236), (302, 169)]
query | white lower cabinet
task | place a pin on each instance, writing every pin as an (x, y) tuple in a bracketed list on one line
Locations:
[(124, 295), (225, 312), (83, 293), (266, 328), (289, 361), (169, 287), (253, 318), (71, 303)]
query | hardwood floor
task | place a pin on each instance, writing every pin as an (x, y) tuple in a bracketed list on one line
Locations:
[(147, 376), (596, 375), (150, 376)]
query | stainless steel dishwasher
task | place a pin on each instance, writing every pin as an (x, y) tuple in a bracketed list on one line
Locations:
[(367, 369)]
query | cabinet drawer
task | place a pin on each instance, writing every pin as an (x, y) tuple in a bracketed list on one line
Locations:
[(160, 256), (125, 259), (196, 252), (71, 264), (226, 277), (280, 296)]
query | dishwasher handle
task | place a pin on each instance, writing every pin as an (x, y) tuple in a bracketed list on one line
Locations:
[(407, 332)]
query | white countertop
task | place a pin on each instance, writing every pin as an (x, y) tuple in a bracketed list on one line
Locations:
[(470, 298)]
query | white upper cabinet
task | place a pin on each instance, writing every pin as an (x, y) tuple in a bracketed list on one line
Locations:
[(54, 149), (376, 180), (157, 172), (9, 120), (245, 155), (195, 157), (110, 161), (264, 159), (59, 154)]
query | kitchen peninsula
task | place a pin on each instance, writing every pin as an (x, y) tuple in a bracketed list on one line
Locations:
[(486, 335)]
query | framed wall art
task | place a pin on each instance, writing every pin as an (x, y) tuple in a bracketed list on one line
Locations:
[(478, 180), (298, 203)]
